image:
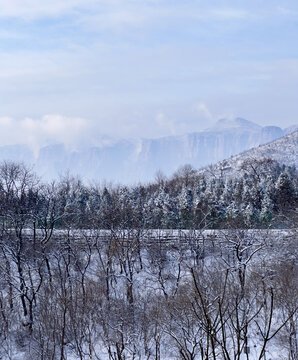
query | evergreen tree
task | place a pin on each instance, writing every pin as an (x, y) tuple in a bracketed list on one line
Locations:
[(285, 191), (250, 215), (185, 203), (266, 213)]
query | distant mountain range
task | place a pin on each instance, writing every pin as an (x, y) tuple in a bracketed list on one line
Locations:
[(130, 161)]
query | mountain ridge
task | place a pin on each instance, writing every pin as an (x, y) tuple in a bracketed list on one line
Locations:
[(131, 161)]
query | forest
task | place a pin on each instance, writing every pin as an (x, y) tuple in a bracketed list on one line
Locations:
[(96, 271)]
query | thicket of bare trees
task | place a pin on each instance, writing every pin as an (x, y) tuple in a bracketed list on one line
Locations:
[(131, 293)]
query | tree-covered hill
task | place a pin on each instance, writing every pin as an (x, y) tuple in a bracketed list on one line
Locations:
[(262, 193)]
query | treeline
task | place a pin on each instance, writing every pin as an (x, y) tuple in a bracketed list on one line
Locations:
[(262, 194)]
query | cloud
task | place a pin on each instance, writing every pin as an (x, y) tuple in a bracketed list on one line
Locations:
[(33, 9), (118, 13), (40, 132), (202, 110), (165, 123), (36, 8), (102, 59), (228, 14), (286, 11), (157, 15), (125, 14)]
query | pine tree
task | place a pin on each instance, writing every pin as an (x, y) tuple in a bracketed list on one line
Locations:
[(232, 211), (185, 203), (250, 215), (266, 213), (285, 191)]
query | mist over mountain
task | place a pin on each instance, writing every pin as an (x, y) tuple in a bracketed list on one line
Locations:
[(130, 161)]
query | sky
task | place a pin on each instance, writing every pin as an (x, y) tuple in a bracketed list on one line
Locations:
[(82, 71)]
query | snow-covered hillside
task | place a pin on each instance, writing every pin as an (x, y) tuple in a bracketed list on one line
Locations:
[(284, 150)]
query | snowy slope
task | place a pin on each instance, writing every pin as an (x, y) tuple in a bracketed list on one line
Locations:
[(284, 150)]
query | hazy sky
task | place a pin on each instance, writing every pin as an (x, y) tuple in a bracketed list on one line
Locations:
[(72, 68)]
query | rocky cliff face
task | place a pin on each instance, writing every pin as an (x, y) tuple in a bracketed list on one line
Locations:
[(133, 161), (224, 140)]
